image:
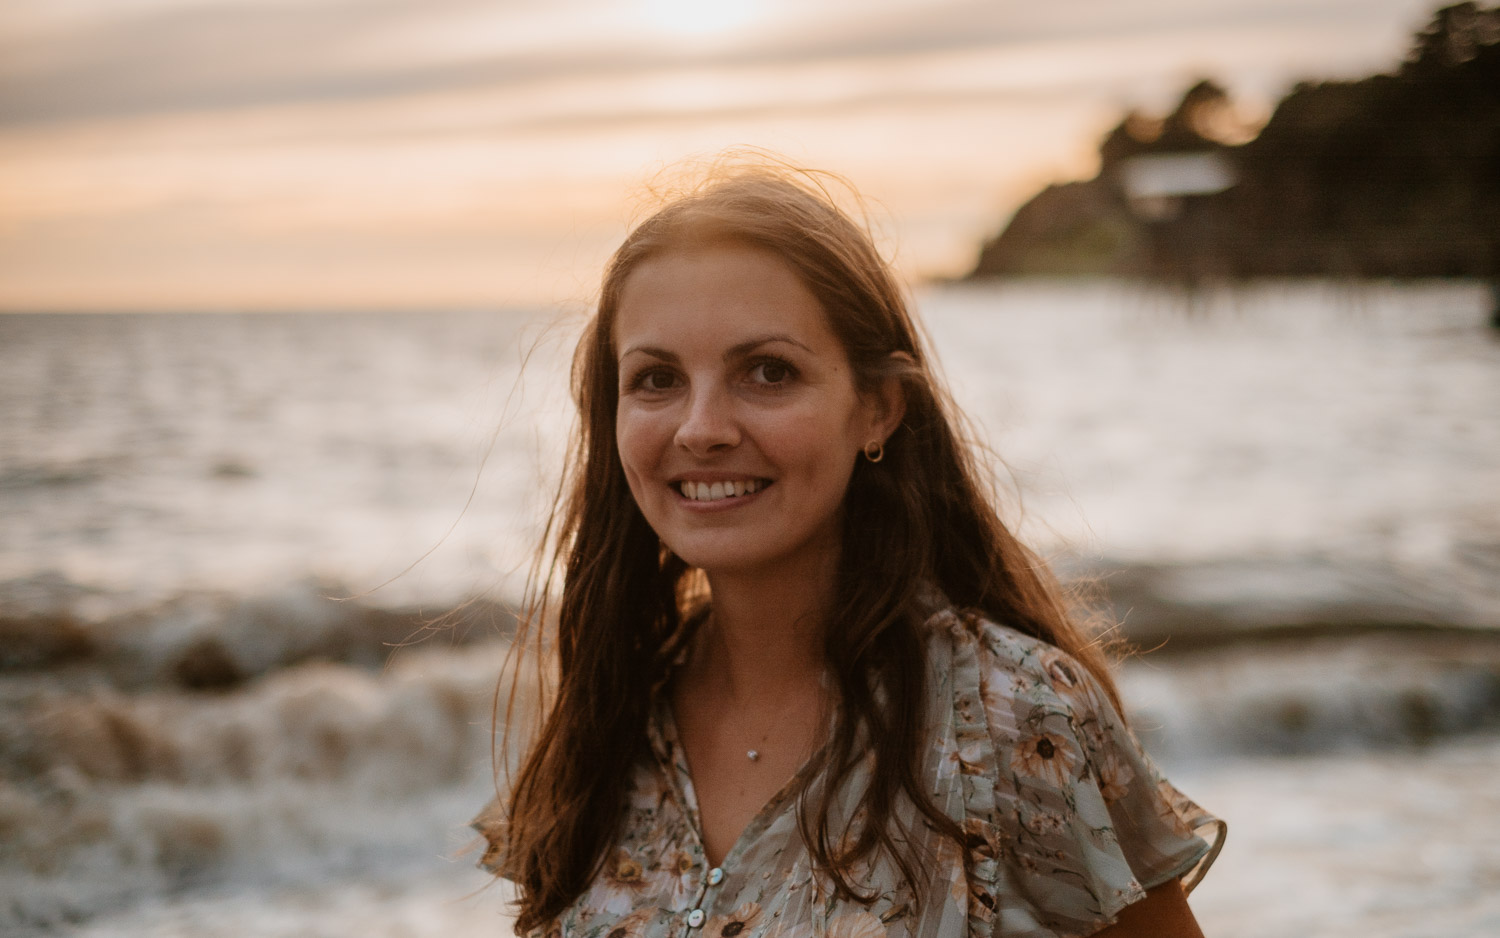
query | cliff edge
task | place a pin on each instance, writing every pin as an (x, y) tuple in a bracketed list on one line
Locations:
[(1396, 175)]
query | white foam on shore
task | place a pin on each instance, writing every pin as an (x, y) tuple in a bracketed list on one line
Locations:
[(1381, 845), (1314, 696), (440, 901), (1389, 845), (316, 772)]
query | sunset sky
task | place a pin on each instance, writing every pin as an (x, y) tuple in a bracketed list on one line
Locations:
[(432, 154)]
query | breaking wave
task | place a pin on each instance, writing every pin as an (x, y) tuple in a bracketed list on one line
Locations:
[(108, 796)]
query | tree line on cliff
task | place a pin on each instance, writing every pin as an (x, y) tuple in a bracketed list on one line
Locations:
[(1395, 175)]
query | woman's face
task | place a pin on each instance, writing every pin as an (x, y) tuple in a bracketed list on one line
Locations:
[(738, 421)]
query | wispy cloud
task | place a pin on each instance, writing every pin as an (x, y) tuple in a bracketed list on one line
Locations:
[(206, 55), (178, 152)]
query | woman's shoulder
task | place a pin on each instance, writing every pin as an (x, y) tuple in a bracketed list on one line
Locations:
[(1013, 664), (1068, 790)]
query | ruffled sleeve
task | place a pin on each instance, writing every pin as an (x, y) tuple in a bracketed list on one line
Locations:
[(1078, 822)]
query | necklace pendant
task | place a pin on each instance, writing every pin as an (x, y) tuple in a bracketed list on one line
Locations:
[(752, 755)]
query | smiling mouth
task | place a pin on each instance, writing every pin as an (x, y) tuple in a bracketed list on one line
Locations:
[(718, 491)]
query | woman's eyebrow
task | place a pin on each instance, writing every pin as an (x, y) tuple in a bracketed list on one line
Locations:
[(751, 344), (651, 350), (735, 351)]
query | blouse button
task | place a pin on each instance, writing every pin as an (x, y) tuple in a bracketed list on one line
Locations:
[(695, 918), (715, 876)]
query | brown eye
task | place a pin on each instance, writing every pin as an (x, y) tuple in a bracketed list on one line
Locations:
[(772, 372), (655, 379)]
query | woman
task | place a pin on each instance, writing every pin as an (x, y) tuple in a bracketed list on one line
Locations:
[(808, 682)]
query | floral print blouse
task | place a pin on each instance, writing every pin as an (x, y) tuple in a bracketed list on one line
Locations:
[(1067, 821)]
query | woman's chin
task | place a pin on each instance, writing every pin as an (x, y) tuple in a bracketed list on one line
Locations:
[(723, 562), (734, 557)]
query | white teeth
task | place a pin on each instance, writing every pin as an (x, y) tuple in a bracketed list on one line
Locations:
[(716, 491)]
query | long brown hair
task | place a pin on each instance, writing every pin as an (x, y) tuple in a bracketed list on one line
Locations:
[(923, 516)]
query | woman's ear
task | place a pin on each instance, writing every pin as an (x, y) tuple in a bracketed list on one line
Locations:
[(888, 398)]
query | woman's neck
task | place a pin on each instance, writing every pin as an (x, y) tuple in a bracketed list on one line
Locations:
[(765, 637)]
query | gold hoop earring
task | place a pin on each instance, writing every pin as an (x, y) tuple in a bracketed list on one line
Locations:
[(874, 451)]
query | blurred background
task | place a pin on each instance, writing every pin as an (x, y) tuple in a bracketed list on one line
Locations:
[(289, 290)]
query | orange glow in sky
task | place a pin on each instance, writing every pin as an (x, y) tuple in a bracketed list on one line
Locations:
[(230, 154), (696, 18)]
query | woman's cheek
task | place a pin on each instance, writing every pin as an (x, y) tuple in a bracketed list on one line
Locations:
[(637, 441)]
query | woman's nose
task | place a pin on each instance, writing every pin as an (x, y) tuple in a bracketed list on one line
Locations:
[(708, 423)]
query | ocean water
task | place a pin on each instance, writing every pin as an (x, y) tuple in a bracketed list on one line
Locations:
[(223, 538)]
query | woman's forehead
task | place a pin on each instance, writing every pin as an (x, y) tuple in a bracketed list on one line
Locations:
[(721, 291)]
